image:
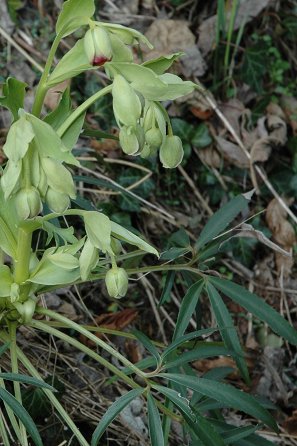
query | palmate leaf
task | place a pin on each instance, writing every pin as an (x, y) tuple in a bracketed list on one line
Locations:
[(154, 422), (227, 329), (258, 307), (112, 412), (184, 339), (226, 394), (22, 414)]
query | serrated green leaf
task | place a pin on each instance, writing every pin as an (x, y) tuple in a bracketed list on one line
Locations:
[(226, 394), (227, 329), (154, 422), (74, 14), (163, 63), (13, 92), (221, 219), (22, 414), (112, 412), (187, 308), (258, 307)]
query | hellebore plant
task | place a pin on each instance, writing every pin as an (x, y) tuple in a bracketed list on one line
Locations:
[(37, 188)]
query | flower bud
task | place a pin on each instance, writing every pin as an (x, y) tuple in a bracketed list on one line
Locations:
[(154, 137), (171, 152), (28, 203), (116, 281), (126, 104), (131, 139), (97, 46), (57, 201)]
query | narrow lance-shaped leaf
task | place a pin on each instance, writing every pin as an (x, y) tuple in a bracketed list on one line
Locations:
[(226, 394), (112, 412), (203, 430), (22, 414), (258, 307), (187, 308), (154, 422), (27, 380), (147, 343), (227, 329), (221, 219)]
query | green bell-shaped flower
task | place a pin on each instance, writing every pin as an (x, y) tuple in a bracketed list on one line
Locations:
[(154, 138), (171, 152), (116, 281), (57, 201), (97, 46), (131, 139), (28, 203)]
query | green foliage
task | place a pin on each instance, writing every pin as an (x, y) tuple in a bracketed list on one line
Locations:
[(36, 192)]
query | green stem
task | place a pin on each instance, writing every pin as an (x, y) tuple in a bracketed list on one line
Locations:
[(82, 108), (55, 402), (73, 325), (42, 86), (72, 341), (15, 369), (3, 433), (23, 253)]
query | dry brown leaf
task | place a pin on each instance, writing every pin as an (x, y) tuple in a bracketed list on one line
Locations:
[(248, 231), (283, 233), (261, 150), (169, 36), (112, 321), (210, 157), (289, 105), (277, 129), (232, 153), (246, 12), (54, 94), (290, 424)]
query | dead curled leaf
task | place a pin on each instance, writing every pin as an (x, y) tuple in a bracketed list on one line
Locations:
[(247, 230), (283, 233), (112, 321), (289, 106), (169, 36)]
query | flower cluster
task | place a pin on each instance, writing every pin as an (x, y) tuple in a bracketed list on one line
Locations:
[(144, 125), (35, 172)]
